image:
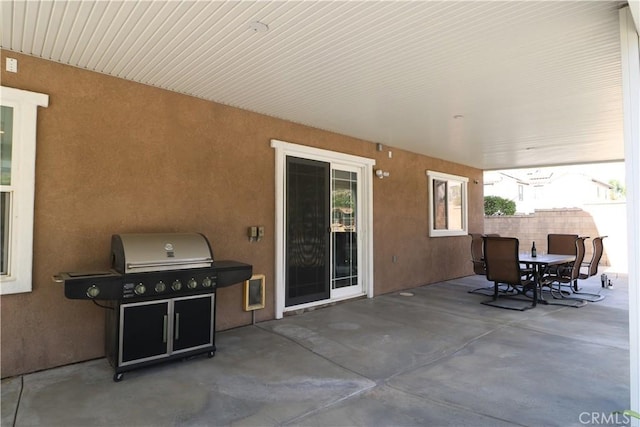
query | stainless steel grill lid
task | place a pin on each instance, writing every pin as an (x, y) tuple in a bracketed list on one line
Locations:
[(144, 252)]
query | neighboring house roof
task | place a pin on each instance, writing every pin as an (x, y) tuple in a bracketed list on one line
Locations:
[(537, 178), (493, 177)]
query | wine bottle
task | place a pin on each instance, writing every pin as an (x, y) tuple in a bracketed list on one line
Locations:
[(533, 250)]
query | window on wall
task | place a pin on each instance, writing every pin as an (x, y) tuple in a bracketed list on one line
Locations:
[(18, 114), (447, 204)]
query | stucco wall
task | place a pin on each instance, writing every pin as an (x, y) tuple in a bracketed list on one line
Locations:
[(115, 157)]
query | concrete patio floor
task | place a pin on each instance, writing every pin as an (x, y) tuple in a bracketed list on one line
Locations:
[(437, 358)]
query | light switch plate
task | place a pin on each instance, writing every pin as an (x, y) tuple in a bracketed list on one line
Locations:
[(12, 65)]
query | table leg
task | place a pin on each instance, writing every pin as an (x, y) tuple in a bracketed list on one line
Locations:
[(537, 278), (535, 285)]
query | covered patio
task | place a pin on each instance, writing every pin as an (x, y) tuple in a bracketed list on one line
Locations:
[(160, 117), (431, 356)]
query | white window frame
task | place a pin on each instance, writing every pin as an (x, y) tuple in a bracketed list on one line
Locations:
[(463, 181), (23, 165)]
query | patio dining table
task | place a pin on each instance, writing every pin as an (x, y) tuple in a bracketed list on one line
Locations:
[(539, 263)]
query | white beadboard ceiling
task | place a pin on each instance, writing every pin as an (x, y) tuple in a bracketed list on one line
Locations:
[(537, 82)]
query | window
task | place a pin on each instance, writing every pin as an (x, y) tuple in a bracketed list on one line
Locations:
[(447, 204), (18, 114)]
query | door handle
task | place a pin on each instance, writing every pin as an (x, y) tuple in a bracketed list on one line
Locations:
[(177, 326), (165, 322)]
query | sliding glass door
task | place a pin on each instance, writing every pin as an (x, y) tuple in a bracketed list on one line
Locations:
[(307, 222), (322, 219), (345, 221)]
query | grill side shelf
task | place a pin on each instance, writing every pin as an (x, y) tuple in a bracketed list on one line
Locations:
[(231, 272), (77, 285)]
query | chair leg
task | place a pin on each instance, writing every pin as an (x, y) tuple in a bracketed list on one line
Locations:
[(575, 285), (588, 296), (570, 294), (504, 288), (495, 291)]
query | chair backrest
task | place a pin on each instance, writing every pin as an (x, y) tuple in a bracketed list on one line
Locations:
[(476, 253), (562, 244), (575, 270), (598, 249), (476, 246), (501, 260)]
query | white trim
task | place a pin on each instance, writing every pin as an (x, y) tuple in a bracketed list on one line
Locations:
[(279, 227), (630, 54), (431, 175), (321, 302), (320, 154), (284, 149), (367, 244), (447, 176), (25, 113)]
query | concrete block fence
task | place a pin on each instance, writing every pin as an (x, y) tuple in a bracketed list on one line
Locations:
[(594, 220)]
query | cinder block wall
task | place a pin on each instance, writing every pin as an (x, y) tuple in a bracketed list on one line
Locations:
[(535, 227)]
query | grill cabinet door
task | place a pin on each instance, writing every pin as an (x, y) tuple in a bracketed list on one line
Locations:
[(193, 322), (144, 328)]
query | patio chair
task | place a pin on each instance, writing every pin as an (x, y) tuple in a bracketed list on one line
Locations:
[(592, 270), (592, 266), (477, 258), (476, 253), (562, 244), (568, 277), (503, 267)]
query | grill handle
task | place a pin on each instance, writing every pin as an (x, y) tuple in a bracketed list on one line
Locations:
[(177, 326), (134, 265), (164, 329)]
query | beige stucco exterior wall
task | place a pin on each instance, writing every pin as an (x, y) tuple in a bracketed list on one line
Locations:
[(116, 157)]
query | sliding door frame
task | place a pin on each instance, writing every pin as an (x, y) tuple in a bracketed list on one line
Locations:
[(284, 149)]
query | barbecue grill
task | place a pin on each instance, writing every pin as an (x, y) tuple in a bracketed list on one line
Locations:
[(159, 297)]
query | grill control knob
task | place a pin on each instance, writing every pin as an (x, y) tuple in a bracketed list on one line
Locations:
[(206, 282), (93, 291), (192, 284), (140, 289), (176, 285), (160, 286)]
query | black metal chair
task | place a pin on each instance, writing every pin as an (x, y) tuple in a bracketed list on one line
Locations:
[(503, 267)]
